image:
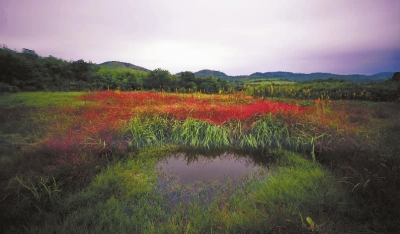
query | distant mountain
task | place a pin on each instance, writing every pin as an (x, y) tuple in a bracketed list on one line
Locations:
[(320, 75), (279, 74), (379, 77), (116, 64), (383, 75), (207, 73)]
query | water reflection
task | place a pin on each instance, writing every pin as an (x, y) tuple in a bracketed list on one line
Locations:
[(189, 169), (194, 174)]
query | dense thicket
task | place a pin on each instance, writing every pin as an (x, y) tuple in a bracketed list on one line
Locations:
[(326, 89), (27, 71)]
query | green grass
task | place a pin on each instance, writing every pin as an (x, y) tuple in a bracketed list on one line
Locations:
[(197, 133), (267, 132), (269, 81), (41, 99), (124, 198), (143, 131)]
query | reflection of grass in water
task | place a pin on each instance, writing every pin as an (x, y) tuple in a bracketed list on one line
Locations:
[(258, 202), (204, 190)]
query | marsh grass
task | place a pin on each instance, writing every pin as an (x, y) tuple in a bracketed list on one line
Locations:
[(266, 132), (351, 185), (197, 133), (146, 131), (45, 193)]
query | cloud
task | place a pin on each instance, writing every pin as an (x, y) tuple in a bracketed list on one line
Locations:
[(237, 37)]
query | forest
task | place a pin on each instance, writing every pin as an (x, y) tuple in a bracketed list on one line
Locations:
[(27, 71)]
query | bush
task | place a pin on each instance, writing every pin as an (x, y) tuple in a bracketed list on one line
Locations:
[(6, 88)]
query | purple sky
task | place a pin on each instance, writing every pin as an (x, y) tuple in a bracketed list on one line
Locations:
[(238, 37)]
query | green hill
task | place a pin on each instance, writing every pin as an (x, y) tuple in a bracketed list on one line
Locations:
[(117, 64), (207, 73)]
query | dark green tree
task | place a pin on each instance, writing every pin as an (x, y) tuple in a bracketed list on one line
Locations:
[(81, 70), (157, 79)]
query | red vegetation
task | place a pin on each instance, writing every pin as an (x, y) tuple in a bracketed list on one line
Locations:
[(114, 106), (95, 129)]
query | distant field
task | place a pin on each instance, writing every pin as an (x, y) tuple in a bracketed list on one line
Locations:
[(41, 99), (269, 81), (322, 89)]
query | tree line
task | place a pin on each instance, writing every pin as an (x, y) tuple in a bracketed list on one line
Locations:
[(26, 71)]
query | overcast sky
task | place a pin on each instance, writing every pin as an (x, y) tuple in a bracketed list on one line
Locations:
[(237, 37)]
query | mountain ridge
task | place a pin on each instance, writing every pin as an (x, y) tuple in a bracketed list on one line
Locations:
[(381, 76), (378, 77)]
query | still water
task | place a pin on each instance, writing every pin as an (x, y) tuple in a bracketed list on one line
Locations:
[(194, 175), (204, 168)]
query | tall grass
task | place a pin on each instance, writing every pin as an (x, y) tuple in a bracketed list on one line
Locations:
[(267, 132), (144, 131), (198, 133)]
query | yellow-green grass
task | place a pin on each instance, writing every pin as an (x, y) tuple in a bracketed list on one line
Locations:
[(269, 81), (42, 99)]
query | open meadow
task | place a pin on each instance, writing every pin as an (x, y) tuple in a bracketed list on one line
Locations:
[(91, 162)]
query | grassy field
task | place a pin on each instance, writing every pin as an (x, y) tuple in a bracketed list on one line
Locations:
[(86, 163), (41, 99), (329, 89), (269, 81)]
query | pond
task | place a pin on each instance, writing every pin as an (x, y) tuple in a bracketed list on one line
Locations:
[(191, 175)]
